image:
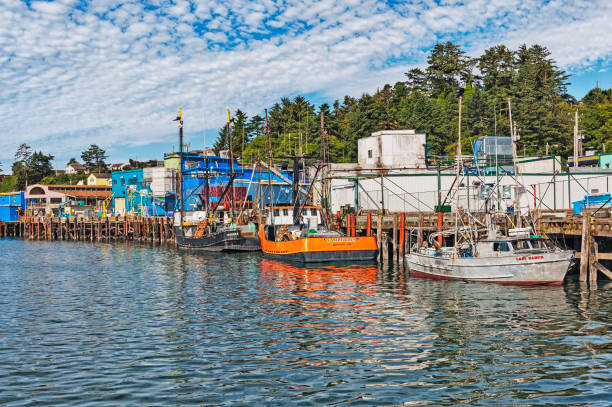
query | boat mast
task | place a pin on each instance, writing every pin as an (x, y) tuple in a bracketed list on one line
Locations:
[(517, 203), (180, 174), (323, 157), (296, 192), (459, 164), (269, 147), (206, 185), (231, 154)]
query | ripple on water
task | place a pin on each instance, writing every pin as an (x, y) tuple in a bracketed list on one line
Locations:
[(108, 324)]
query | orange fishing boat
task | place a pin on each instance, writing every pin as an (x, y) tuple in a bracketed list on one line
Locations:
[(303, 237)]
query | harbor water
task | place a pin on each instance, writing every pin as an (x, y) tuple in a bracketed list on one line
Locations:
[(124, 324)]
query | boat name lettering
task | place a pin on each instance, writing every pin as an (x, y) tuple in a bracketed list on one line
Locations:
[(340, 239), (529, 258)]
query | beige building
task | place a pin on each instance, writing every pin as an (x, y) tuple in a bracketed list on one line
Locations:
[(47, 199)]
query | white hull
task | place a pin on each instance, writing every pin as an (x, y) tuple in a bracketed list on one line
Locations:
[(533, 268)]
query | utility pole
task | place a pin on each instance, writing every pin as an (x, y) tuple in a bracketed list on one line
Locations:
[(576, 140)]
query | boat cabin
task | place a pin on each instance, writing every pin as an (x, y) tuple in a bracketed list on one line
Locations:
[(500, 247), (283, 215)]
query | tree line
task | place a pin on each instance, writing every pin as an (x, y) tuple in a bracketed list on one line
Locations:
[(32, 167), (427, 101)]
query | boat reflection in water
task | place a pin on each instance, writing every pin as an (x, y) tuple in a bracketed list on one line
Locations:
[(333, 280)]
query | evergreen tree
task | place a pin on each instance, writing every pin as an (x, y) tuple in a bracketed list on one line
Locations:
[(31, 168), (427, 101), (94, 158), (448, 67)]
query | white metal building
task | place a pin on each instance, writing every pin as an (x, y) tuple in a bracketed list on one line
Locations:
[(392, 149)]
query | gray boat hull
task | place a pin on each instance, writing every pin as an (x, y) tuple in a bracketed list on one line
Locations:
[(538, 268)]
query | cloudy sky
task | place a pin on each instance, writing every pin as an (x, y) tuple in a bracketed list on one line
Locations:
[(115, 72)]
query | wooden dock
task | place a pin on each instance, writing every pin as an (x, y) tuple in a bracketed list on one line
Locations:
[(156, 229)]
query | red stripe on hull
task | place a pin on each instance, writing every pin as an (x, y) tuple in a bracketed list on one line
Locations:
[(437, 277)]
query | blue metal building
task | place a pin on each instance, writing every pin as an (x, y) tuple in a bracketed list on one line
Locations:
[(252, 184), (10, 204), (132, 195)]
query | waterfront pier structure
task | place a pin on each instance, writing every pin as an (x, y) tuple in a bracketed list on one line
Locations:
[(153, 229)]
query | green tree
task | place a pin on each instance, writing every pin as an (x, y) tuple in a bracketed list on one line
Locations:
[(31, 169), (538, 91), (448, 67), (93, 158)]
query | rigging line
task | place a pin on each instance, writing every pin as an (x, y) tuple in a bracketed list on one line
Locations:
[(382, 186), (368, 195), (297, 215), (247, 192), (424, 204), (531, 193)]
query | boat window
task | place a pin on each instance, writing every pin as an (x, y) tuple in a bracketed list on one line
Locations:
[(313, 212), (536, 244), (276, 212), (285, 212), (501, 247), (520, 245)]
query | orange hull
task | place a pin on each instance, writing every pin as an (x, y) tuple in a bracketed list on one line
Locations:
[(318, 249)]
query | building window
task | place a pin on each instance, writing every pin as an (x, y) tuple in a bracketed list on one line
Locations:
[(114, 182), (122, 181), (369, 153), (56, 200)]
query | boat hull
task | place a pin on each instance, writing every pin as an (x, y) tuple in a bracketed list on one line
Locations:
[(230, 240), (320, 249), (326, 256), (540, 268)]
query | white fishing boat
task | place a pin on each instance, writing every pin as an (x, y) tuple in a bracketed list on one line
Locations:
[(520, 260), (477, 251)]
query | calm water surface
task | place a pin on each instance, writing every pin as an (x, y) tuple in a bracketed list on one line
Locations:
[(104, 324)]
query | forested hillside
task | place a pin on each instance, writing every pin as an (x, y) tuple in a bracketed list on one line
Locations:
[(427, 100)]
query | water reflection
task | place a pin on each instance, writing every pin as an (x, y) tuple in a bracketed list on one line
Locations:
[(130, 324)]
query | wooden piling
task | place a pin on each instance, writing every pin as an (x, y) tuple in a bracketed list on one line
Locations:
[(593, 251), (395, 237), (379, 234), (584, 248), (420, 231), (385, 249), (402, 236)]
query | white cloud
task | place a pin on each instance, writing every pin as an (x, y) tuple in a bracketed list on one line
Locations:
[(114, 72)]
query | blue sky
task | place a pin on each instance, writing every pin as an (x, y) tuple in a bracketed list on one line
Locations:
[(114, 73)]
